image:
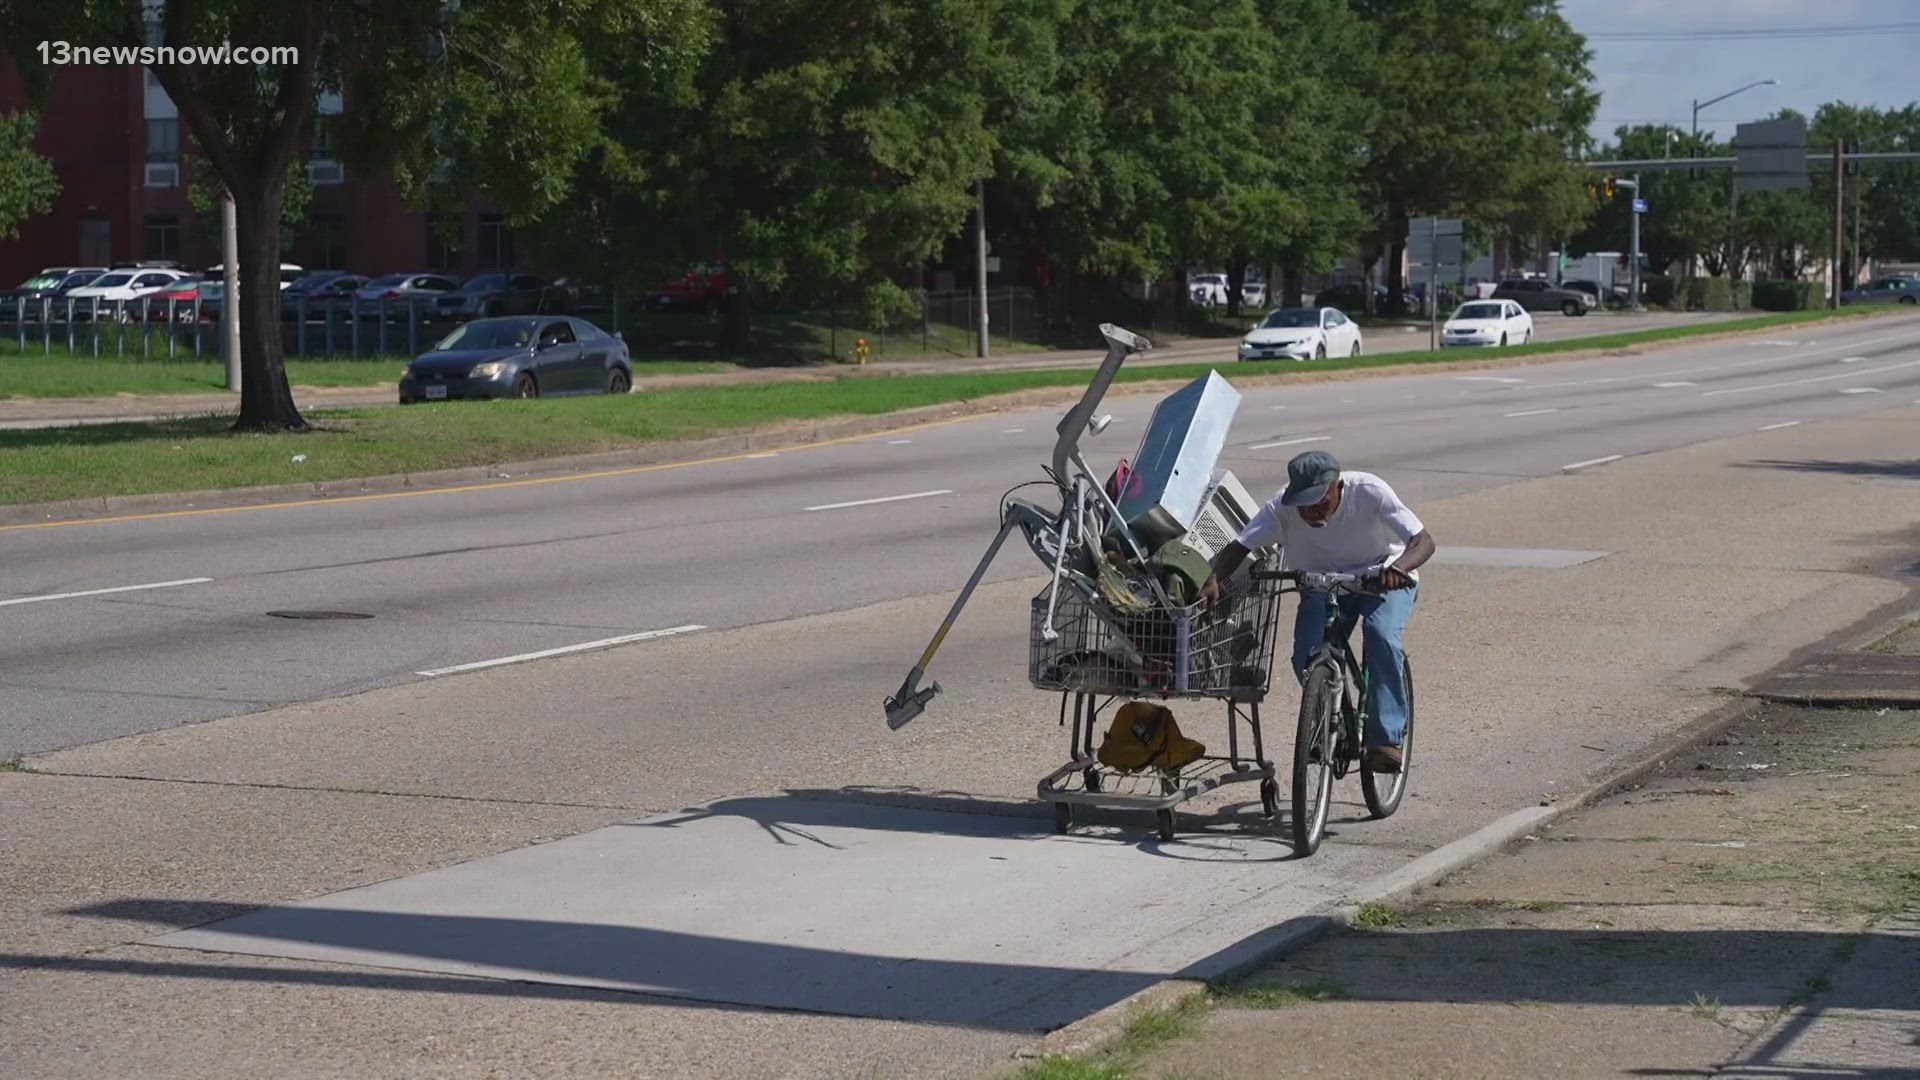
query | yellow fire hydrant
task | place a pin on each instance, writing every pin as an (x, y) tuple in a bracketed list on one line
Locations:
[(860, 351)]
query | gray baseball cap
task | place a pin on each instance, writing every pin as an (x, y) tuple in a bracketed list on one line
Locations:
[(1308, 476)]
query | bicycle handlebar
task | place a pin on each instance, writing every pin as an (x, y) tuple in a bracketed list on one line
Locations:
[(1317, 581)]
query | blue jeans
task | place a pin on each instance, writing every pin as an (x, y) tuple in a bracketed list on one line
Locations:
[(1381, 619)]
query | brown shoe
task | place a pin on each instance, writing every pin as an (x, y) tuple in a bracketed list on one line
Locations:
[(1384, 759)]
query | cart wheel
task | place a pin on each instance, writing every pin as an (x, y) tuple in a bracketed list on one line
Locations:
[(1062, 817), (1165, 819), (1093, 779), (1270, 797)]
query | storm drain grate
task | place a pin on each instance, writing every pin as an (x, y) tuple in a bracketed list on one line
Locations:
[(318, 615)]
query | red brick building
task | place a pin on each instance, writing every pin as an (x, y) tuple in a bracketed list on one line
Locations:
[(114, 139)]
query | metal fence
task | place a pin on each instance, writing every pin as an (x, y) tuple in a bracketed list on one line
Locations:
[(154, 329)]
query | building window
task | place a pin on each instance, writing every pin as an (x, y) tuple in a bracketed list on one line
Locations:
[(446, 252), (496, 243), (163, 237), (322, 148), (163, 140)]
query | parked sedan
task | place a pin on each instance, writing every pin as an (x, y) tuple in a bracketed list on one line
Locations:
[(400, 290), (506, 294), (1487, 322), (1302, 334), (1534, 294), (112, 290), (519, 356), (1887, 290), (48, 285)]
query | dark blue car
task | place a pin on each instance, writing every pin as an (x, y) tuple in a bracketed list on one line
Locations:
[(526, 356)]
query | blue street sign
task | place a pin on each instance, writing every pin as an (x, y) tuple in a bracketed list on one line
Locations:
[(1639, 206)]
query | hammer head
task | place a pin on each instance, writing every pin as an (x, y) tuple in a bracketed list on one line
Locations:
[(906, 705)]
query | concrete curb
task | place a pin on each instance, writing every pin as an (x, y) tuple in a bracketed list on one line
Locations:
[(1098, 1029)]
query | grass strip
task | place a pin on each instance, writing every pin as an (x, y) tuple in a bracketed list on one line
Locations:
[(192, 454)]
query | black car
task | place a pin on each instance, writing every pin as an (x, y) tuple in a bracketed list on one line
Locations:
[(320, 291), (520, 356), (507, 294), (1351, 297), (49, 284), (1535, 294)]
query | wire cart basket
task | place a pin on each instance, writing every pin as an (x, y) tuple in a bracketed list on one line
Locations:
[(1095, 651)]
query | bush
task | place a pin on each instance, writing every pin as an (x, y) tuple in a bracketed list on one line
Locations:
[(1656, 290), (1710, 294), (1788, 295)]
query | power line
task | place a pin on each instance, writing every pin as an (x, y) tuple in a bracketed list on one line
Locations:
[(1782, 33)]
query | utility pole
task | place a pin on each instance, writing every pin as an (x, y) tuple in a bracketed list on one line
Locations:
[(230, 290), (1839, 214), (1433, 283), (980, 262), (1857, 260), (1633, 243)]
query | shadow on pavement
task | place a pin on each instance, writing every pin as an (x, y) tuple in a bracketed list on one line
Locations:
[(1898, 470)]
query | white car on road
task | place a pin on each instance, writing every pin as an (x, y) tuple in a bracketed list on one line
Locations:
[(1302, 334), (1487, 322)]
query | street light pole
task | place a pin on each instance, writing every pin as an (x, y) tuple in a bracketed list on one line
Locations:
[(1698, 104)]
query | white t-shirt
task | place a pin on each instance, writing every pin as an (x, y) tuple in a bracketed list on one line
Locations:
[(1369, 529)]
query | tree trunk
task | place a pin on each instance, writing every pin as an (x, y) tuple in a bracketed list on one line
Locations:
[(266, 402), (737, 325), (1236, 277), (1293, 282)]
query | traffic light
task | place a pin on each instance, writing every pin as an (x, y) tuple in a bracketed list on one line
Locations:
[(1609, 187)]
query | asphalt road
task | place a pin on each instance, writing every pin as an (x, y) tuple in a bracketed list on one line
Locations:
[(122, 626)]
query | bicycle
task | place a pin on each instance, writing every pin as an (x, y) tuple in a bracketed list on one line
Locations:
[(1333, 699)]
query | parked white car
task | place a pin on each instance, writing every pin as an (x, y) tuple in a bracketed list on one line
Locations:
[(1208, 290), (111, 290), (1253, 293), (289, 273), (1487, 322), (1302, 334)]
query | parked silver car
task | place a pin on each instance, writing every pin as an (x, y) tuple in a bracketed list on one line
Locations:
[(1886, 290)]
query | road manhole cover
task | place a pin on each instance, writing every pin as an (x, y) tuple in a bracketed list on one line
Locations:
[(318, 615)]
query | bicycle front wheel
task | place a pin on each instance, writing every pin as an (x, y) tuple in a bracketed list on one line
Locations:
[(1313, 751), (1385, 790)]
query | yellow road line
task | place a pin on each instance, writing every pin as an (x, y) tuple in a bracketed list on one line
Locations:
[(338, 499)]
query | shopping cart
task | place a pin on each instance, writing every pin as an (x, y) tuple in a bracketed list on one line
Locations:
[(1116, 621), (1098, 655)]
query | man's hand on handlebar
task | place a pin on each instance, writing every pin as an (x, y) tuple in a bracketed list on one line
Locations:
[(1392, 577), (1210, 591)]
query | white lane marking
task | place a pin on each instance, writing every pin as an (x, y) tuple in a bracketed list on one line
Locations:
[(898, 442), (603, 643), (1671, 385), (103, 592), (1776, 343), (1346, 401), (1851, 359), (1590, 461), (1486, 378), (1862, 390), (1532, 412), (776, 453), (1289, 442), (882, 499), (1778, 426), (1815, 379), (1283, 406), (1718, 366), (1012, 430)]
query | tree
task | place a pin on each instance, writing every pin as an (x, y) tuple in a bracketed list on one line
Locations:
[(821, 147), (1687, 215), (1885, 198), (1480, 103), (495, 92), (27, 182)]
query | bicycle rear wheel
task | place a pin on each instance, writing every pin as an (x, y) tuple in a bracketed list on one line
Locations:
[(1313, 756), (1384, 791)]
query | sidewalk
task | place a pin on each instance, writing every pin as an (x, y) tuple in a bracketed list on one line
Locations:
[(1751, 909)]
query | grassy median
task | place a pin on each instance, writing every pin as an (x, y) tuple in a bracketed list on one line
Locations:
[(200, 453)]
